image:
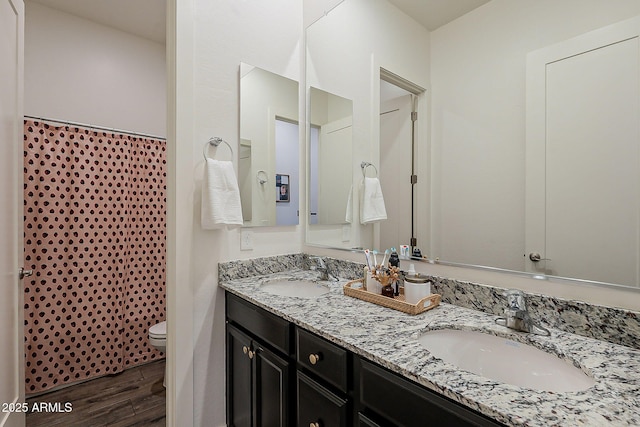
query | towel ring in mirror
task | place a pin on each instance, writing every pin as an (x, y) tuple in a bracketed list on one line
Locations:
[(262, 177)]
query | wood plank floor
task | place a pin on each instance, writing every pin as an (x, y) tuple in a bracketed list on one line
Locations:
[(134, 397)]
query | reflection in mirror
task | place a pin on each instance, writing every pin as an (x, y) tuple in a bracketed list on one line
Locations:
[(330, 156), (347, 60), (398, 136), (479, 205), (330, 164), (269, 147), (499, 201)]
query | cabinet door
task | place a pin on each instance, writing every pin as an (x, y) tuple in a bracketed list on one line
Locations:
[(271, 385), (239, 379), (318, 406), (365, 421)]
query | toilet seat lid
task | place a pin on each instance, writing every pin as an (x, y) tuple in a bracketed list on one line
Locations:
[(158, 330)]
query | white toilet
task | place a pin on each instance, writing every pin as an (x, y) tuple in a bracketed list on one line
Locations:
[(158, 339)]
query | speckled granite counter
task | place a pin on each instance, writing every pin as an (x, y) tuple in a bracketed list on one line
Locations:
[(388, 337)]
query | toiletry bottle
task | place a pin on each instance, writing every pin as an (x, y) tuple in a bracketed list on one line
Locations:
[(394, 259)]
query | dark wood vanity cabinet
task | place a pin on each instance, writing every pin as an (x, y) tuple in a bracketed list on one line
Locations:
[(281, 375), (259, 373)]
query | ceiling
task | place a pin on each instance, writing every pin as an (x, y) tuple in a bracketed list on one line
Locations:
[(146, 18), (433, 14)]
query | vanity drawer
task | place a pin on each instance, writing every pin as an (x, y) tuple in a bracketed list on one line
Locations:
[(403, 404), (317, 406), (261, 324), (323, 358)]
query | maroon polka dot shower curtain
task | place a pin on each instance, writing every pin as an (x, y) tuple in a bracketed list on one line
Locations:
[(95, 226)]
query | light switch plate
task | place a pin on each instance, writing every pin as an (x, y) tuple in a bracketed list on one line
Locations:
[(246, 240)]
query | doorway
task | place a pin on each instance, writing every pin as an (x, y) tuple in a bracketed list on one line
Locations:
[(398, 136), (137, 96)]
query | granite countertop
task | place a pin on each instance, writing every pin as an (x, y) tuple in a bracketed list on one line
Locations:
[(388, 337)]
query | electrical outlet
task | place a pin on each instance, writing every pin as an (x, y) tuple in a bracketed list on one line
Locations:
[(246, 240)]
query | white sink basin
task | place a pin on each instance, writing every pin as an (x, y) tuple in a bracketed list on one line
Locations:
[(298, 288), (504, 360)]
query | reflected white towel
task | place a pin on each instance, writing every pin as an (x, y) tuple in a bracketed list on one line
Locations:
[(220, 196), (371, 201), (348, 217)]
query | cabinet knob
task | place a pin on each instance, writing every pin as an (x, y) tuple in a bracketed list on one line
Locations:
[(245, 349), (315, 358), (251, 354), (316, 424)]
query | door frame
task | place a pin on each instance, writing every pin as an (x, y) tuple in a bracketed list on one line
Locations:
[(14, 290)]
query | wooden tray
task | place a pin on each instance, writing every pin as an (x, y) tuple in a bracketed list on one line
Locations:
[(397, 303)]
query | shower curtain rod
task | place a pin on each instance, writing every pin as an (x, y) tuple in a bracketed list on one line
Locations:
[(66, 122)]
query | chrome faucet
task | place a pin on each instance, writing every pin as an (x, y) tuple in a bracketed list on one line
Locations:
[(325, 274), (517, 316)]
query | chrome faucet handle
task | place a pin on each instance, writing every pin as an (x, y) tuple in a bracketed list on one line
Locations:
[(323, 268), (319, 263), (517, 316), (515, 300)]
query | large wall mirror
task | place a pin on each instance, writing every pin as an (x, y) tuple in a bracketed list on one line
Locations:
[(268, 164), (492, 189)]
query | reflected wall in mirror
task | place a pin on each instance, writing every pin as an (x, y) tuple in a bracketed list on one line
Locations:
[(346, 50), (330, 157), (476, 209), (269, 145), (489, 206)]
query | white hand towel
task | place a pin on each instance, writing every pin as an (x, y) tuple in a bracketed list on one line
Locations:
[(348, 217), (220, 196), (371, 202)]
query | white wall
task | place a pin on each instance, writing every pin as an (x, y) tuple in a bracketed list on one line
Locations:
[(84, 72), (478, 65), (212, 38)]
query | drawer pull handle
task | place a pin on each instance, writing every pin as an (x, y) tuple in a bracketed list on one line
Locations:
[(315, 358), (316, 424)]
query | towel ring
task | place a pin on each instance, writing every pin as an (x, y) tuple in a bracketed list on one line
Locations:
[(215, 141), (262, 177), (365, 165)]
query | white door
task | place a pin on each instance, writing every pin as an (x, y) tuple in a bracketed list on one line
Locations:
[(11, 131), (584, 199), (395, 170)]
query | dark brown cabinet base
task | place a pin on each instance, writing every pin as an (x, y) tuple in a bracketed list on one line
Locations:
[(279, 375)]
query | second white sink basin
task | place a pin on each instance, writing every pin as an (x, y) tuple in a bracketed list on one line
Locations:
[(504, 360), (299, 288)]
